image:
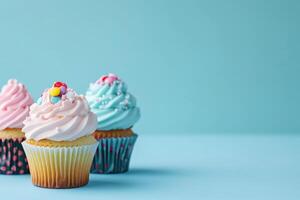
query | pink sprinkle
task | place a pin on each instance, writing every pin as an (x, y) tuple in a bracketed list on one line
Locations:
[(3, 168), (21, 171), (109, 79), (103, 78)]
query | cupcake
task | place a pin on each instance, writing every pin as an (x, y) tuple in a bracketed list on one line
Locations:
[(59, 144), (14, 108), (116, 112)]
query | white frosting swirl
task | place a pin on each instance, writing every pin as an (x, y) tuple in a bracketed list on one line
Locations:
[(66, 120)]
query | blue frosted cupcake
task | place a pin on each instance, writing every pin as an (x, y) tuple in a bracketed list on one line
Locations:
[(116, 112)]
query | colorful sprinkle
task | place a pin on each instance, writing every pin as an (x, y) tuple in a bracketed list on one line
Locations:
[(63, 90), (108, 79), (55, 100), (55, 91), (39, 101), (103, 78), (57, 84)]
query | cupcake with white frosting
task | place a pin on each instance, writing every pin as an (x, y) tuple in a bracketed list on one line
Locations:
[(59, 145)]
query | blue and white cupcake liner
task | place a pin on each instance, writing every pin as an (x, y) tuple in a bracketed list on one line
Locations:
[(113, 155)]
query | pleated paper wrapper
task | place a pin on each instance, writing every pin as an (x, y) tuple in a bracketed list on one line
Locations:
[(113, 155), (12, 157), (59, 167)]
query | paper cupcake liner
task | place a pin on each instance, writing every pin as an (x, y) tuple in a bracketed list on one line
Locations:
[(12, 157), (113, 155), (59, 167)]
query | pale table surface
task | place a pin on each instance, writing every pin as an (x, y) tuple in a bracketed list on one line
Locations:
[(209, 166)]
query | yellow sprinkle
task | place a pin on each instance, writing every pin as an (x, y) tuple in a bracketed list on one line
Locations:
[(55, 91)]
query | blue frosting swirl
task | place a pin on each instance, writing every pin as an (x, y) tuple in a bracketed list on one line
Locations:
[(114, 106)]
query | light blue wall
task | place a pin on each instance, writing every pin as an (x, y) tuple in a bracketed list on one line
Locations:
[(195, 66)]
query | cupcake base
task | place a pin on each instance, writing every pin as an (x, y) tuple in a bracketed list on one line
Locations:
[(113, 155), (112, 133), (12, 157), (59, 167)]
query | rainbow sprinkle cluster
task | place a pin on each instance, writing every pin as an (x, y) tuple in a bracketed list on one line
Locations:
[(58, 89)]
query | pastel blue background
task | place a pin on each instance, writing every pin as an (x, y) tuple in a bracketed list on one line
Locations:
[(195, 66)]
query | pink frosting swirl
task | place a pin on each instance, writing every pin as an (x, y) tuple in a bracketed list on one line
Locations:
[(66, 120), (14, 105)]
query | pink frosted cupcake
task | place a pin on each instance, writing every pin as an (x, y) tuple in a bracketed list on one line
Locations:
[(14, 108)]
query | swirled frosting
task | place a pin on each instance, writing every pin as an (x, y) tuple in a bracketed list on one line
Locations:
[(114, 106), (14, 105), (67, 119)]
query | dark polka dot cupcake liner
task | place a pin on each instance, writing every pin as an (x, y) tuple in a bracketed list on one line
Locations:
[(113, 155), (12, 157)]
